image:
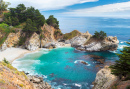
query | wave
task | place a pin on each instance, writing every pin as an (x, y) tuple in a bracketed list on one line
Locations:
[(78, 85)]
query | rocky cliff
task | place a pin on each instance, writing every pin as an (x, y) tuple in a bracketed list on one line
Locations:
[(11, 40), (104, 79), (48, 35), (33, 43)]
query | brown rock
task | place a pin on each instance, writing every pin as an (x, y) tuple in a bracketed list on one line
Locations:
[(84, 63)]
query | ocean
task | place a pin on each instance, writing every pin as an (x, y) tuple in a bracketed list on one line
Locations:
[(62, 67)]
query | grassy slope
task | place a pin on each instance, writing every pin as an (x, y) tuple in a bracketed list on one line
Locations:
[(70, 35)]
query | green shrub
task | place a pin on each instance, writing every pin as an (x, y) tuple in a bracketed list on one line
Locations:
[(128, 87), (5, 61), (100, 35)]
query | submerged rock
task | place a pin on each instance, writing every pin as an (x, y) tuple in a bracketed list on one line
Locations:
[(99, 59)]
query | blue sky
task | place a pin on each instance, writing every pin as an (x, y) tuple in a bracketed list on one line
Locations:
[(79, 8)]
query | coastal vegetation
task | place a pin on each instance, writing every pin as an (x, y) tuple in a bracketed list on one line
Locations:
[(122, 66), (100, 35), (3, 6), (52, 21)]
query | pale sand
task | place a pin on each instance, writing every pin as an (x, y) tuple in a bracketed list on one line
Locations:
[(12, 53)]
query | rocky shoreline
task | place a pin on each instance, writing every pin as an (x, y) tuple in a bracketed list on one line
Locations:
[(38, 82)]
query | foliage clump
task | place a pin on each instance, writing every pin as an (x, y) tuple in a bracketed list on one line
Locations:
[(100, 35), (122, 66), (33, 18), (52, 21), (3, 6)]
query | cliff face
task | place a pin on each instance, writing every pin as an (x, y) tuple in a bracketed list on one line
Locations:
[(104, 79), (33, 43), (49, 34), (11, 40)]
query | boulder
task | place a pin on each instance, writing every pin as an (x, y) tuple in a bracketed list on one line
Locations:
[(3, 47), (38, 82), (104, 79)]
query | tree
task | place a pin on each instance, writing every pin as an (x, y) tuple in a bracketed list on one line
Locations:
[(20, 10), (3, 6), (53, 22), (100, 35), (30, 26), (14, 21), (122, 66)]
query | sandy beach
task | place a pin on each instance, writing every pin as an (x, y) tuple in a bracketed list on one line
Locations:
[(12, 53)]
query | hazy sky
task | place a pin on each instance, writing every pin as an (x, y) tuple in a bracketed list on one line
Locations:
[(80, 8)]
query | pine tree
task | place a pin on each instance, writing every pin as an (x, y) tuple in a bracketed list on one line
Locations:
[(122, 66)]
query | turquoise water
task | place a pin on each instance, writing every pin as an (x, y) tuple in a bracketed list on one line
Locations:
[(61, 67)]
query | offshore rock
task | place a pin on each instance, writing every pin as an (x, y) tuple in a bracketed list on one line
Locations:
[(109, 43)]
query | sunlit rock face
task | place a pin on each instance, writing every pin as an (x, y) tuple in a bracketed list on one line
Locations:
[(104, 79), (33, 43), (87, 43)]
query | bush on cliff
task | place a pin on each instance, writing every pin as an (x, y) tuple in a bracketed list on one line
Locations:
[(100, 35), (122, 66)]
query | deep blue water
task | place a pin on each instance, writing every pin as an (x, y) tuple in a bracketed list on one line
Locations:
[(112, 26), (61, 67)]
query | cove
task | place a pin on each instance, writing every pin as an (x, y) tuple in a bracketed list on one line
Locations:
[(61, 67)]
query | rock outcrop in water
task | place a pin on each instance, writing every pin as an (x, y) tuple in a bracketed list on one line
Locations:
[(104, 79), (87, 43)]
